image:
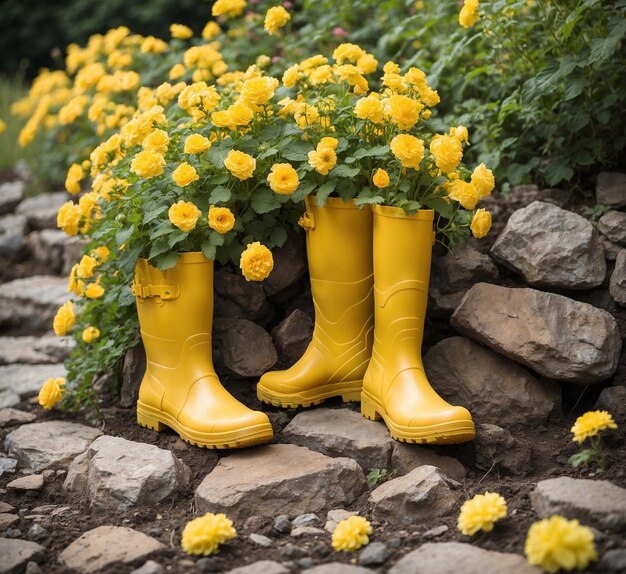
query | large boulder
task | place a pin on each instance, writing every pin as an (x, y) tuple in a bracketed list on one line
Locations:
[(613, 226), (613, 400), (553, 247), (611, 189), (555, 336), (495, 389), (17, 553), (617, 284)]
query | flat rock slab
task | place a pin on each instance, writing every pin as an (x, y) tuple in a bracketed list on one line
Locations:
[(52, 444), (32, 302), (495, 389), (11, 193), (555, 336), (8, 398), (26, 380), (7, 465), (11, 417), (553, 247), (42, 209), (29, 482), (598, 503), (267, 480), (415, 498), (35, 350), (119, 474), (17, 553), (261, 567), (457, 558), (55, 249), (12, 242), (107, 546)]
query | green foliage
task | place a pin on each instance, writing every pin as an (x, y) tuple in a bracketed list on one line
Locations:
[(377, 476)]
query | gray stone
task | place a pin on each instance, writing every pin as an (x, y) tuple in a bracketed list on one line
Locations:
[(457, 557), (495, 389), (33, 568), (597, 503), (338, 568), (306, 531), (7, 520), (133, 370), (611, 189), (617, 285), (293, 334), (26, 380), (550, 246), (289, 265), (282, 524), (496, 448), (373, 554), (261, 567), (268, 479), (8, 398), (11, 193), (613, 226), (37, 532), (407, 457), (31, 303), (614, 560), (458, 270), (120, 474), (555, 336), (7, 465), (150, 567), (245, 347), (42, 209), (248, 295), (335, 516), (29, 482), (342, 432), (613, 399), (611, 250), (435, 532), (34, 350), (308, 519), (55, 249), (443, 304), (418, 497), (260, 540), (12, 240), (52, 444), (6, 507), (17, 553), (107, 546)]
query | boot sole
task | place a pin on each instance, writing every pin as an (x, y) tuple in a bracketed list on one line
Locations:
[(349, 392), (452, 432), (158, 421)]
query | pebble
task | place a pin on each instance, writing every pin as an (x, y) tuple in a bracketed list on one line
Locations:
[(305, 520), (30, 482), (261, 540), (282, 524), (37, 532), (434, 532), (374, 554)]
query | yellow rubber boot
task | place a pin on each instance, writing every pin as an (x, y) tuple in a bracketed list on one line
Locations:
[(339, 250), (395, 385), (180, 388)]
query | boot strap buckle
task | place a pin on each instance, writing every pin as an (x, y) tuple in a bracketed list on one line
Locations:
[(165, 292)]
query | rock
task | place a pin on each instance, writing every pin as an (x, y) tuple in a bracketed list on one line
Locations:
[(33, 568), (133, 370), (37, 532), (268, 479), (617, 285), (555, 336), (42, 209), (7, 520), (245, 347), (31, 303), (55, 249), (6, 507), (611, 250), (11, 193), (462, 268), (308, 519), (293, 334), (456, 557), (497, 448), (550, 246), (8, 398), (35, 350), (597, 503), (434, 532), (442, 306), (149, 567), (261, 567), (107, 546), (495, 389), (26, 380), (248, 295), (614, 561), (611, 189), (289, 265), (29, 482), (613, 399), (12, 241), (342, 432), (334, 517), (306, 531), (373, 554), (17, 553), (120, 474), (282, 524), (613, 226), (338, 568), (260, 540), (422, 495), (52, 444), (407, 457), (7, 465)]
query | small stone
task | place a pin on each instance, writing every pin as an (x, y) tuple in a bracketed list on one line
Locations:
[(434, 532), (52, 444), (260, 540), (373, 554), (293, 334), (11, 193), (47, 474), (308, 519), (458, 270), (6, 507), (11, 417), (611, 189), (30, 482), (339, 568), (12, 241), (44, 349), (291, 552), (261, 567), (17, 553), (7, 465), (418, 497), (611, 250), (13, 533), (617, 284), (613, 226), (42, 209), (613, 399), (334, 517), (306, 531), (156, 532), (306, 563), (210, 565), (150, 567), (33, 568), (407, 457), (107, 546), (498, 448), (282, 524), (598, 503), (37, 532), (255, 524), (7, 520), (614, 560)]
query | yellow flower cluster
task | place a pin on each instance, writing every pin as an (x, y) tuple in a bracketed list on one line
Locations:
[(51, 392), (276, 18), (481, 513), (203, 536), (591, 424), (352, 533)]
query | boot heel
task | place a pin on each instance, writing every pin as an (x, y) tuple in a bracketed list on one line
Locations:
[(150, 422), (369, 411), (354, 396)]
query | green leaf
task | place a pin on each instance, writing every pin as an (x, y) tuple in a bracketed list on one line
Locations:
[(297, 151), (441, 206), (574, 85), (344, 170), (208, 249), (377, 151), (167, 261), (264, 200), (582, 458), (278, 236), (219, 193), (123, 235), (557, 171), (154, 213), (176, 237), (324, 191), (267, 153), (368, 196), (302, 191)]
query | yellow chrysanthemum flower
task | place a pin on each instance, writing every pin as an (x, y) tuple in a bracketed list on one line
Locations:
[(184, 215), (276, 18), (156, 141), (369, 108), (90, 334), (185, 174), (147, 164), (68, 218), (203, 535), (221, 219), (86, 267), (408, 149), (258, 91), (481, 223), (463, 192), (556, 543), (3, 126), (481, 513), (256, 262), (283, 178), (448, 152), (64, 319), (240, 164), (352, 533), (196, 143), (330, 142), (322, 159), (590, 424), (51, 392)]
